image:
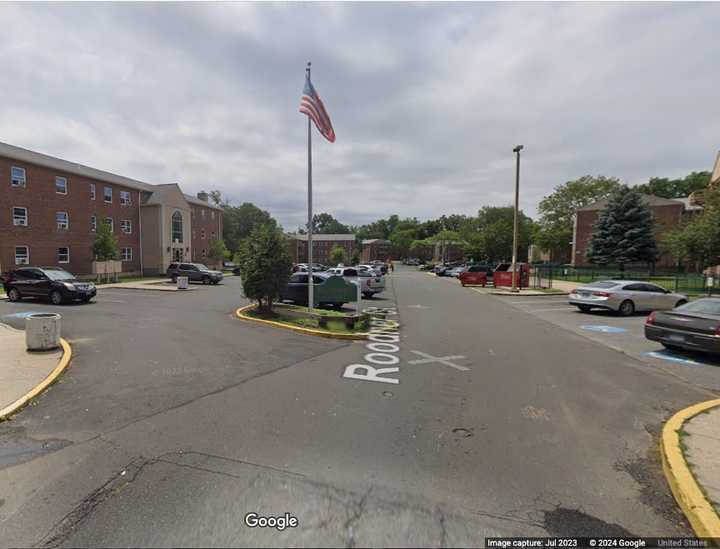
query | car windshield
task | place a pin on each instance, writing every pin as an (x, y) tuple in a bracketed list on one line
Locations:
[(201, 267), (58, 274), (704, 306)]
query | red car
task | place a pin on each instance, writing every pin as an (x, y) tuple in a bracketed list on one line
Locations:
[(475, 275)]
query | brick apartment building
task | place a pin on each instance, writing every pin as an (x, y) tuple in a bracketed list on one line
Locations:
[(668, 213), (376, 249), (50, 209), (322, 246)]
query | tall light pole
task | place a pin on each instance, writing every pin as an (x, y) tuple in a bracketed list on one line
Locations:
[(516, 150)]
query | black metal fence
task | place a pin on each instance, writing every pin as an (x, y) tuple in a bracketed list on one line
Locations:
[(542, 276)]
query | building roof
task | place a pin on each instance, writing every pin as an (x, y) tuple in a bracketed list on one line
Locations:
[(318, 237), (649, 199), (65, 166), (690, 206)]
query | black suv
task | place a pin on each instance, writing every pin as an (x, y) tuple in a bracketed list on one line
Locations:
[(194, 271), (52, 283)]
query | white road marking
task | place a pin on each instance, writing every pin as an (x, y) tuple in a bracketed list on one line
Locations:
[(535, 301), (551, 309), (417, 307), (446, 360)]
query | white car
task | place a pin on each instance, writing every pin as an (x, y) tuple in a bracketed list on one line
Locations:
[(625, 297), (371, 283), (374, 268)]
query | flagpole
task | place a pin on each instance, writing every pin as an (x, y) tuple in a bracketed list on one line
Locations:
[(311, 293)]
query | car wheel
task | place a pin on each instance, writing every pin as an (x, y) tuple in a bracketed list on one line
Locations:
[(367, 295), (174, 279), (56, 297), (206, 280), (626, 308), (584, 308), (681, 302), (14, 295)]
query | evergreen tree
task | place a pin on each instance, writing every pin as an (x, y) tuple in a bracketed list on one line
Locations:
[(624, 231), (265, 265)]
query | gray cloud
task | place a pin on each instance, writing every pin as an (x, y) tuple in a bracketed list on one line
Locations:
[(427, 99)]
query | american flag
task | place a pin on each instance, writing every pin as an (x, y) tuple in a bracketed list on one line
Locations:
[(312, 105)]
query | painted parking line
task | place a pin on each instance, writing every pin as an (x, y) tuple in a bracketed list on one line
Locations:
[(535, 301), (603, 328), (551, 309), (667, 355)]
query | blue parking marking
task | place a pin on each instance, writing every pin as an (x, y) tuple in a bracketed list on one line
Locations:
[(667, 355), (23, 314), (604, 329)]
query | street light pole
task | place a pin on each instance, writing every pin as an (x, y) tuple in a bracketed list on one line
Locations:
[(516, 150)]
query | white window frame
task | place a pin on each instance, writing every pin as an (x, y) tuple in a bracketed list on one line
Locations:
[(59, 178), (93, 223), (112, 223), (105, 195), (60, 223), (125, 198), (212, 214), (27, 255), (15, 219), (202, 213), (16, 182), (68, 254), (92, 191), (123, 224), (126, 256)]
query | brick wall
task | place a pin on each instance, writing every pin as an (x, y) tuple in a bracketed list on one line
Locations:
[(206, 225), (42, 201)]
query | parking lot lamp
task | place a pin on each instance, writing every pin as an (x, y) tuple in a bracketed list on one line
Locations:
[(516, 150)]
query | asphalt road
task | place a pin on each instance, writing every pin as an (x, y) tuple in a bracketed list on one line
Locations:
[(176, 419)]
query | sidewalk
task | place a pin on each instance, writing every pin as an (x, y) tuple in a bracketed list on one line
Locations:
[(161, 284), (701, 441), (23, 375)]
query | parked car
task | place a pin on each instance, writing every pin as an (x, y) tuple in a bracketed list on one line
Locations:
[(328, 290), (372, 268), (195, 272), (380, 265), (455, 271), (51, 283), (371, 282), (625, 297), (694, 326), (478, 275), (303, 268)]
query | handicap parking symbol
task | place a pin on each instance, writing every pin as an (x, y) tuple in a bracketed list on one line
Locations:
[(667, 355), (604, 329)]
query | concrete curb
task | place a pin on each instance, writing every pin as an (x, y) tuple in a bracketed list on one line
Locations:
[(6, 412), (691, 499), (240, 313)]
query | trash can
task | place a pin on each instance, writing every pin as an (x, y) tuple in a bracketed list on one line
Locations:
[(182, 283), (42, 331)]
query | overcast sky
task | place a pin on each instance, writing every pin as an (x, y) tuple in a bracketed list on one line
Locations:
[(427, 100)]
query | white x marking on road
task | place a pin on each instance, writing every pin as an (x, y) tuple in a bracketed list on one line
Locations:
[(446, 360)]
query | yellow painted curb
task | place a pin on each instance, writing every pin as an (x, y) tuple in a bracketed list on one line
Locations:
[(6, 412), (240, 313), (691, 499)]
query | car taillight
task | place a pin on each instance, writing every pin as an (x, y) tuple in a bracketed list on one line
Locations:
[(717, 331), (650, 320), (601, 294)]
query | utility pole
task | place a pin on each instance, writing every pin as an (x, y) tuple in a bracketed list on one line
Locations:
[(516, 150)]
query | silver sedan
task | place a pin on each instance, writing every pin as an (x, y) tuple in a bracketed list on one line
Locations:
[(624, 297)]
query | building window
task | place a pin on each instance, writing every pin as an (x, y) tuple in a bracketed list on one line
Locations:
[(192, 213), (126, 226), (92, 191), (126, 254), (202, 234), (177, 227), (125, 198), (22, 255), (20, 217), (204, 254), (109, 222), (63, 221), (213, 235), (61, 185), (93, 223), (17, 177), (63, 255), (212, 214), (193, 234), (108, 194)]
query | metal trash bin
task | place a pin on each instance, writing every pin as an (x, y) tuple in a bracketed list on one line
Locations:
[(42, 331), (182, 283)]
